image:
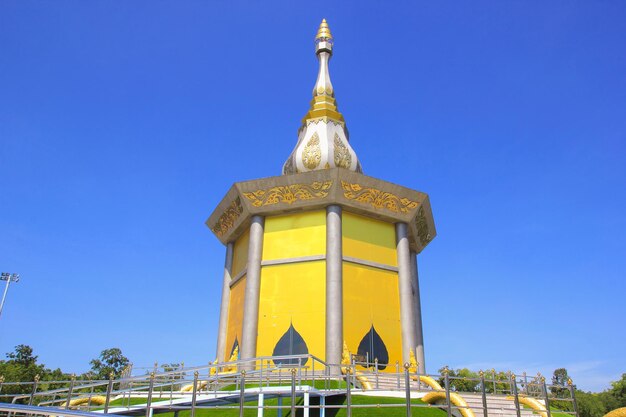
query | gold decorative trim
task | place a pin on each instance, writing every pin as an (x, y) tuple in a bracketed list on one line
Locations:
[(323, 119), (422, 227), (312, 153), (328, 90), (289, 194), (343, 159), (377, 198), (228, 218)]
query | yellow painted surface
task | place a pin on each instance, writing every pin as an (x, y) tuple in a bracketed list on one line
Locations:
[(235, 315), (293, 293), (369, 239), (370, 296), (240, 253), (295, 235)]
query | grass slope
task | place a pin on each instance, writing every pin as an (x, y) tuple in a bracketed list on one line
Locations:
[(335, 400)]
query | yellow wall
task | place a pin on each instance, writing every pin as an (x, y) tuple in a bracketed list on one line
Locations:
[(235, 316), (295, 235), (293, 293), (371, 297), (369, 239), (240, 253)]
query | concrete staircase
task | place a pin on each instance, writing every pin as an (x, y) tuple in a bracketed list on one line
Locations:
[(497, 406)]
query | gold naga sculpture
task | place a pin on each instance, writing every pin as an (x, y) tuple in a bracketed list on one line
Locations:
[(232, 368), (425, 379), (213, 371), (95, 400), (438, 396), (618, 412), (345, 360), (189, 387), (530, 402)]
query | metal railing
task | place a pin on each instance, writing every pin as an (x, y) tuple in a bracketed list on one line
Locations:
[(20, 409), (297, 382)]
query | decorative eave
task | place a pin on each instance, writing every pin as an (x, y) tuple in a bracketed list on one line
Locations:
[(313, 190)]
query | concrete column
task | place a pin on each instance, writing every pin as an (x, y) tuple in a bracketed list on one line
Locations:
[(417, 305), (407, 311), (252, 292), (223, 323), (334, 288)]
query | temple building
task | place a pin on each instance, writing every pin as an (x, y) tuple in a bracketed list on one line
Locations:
[(322, 255)]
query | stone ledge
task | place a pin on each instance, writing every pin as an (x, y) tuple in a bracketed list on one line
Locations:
[(354, 192)]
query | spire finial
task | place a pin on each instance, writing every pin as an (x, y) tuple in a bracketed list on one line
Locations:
[(323, 93), (324, 31)]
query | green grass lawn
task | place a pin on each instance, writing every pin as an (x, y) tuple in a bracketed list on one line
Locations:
[(420, 409), (335, 400), (319, 384), (123, 402), (560, 414)]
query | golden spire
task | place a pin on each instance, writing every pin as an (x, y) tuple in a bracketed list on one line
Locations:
[(323, 137), (324, 31), (323, 103)]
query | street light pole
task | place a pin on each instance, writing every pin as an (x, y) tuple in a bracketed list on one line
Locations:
[(8, 278)]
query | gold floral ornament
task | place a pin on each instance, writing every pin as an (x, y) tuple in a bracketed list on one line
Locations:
[(228, 218), (312, 153), (422, 227), (343, 159), (289, 194), (377, 198)]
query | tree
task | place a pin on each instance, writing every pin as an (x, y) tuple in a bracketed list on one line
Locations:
[(172, 367), (462, 380), (499, 381), (23, 355), (110, 360), (616, 395), (468, 382), (589, 404), (560, 377), (21, 367), (559, 387)]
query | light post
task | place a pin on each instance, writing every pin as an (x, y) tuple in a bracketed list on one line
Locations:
[(8, 278)]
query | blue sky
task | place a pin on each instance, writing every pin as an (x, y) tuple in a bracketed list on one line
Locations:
[(123, 124)]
